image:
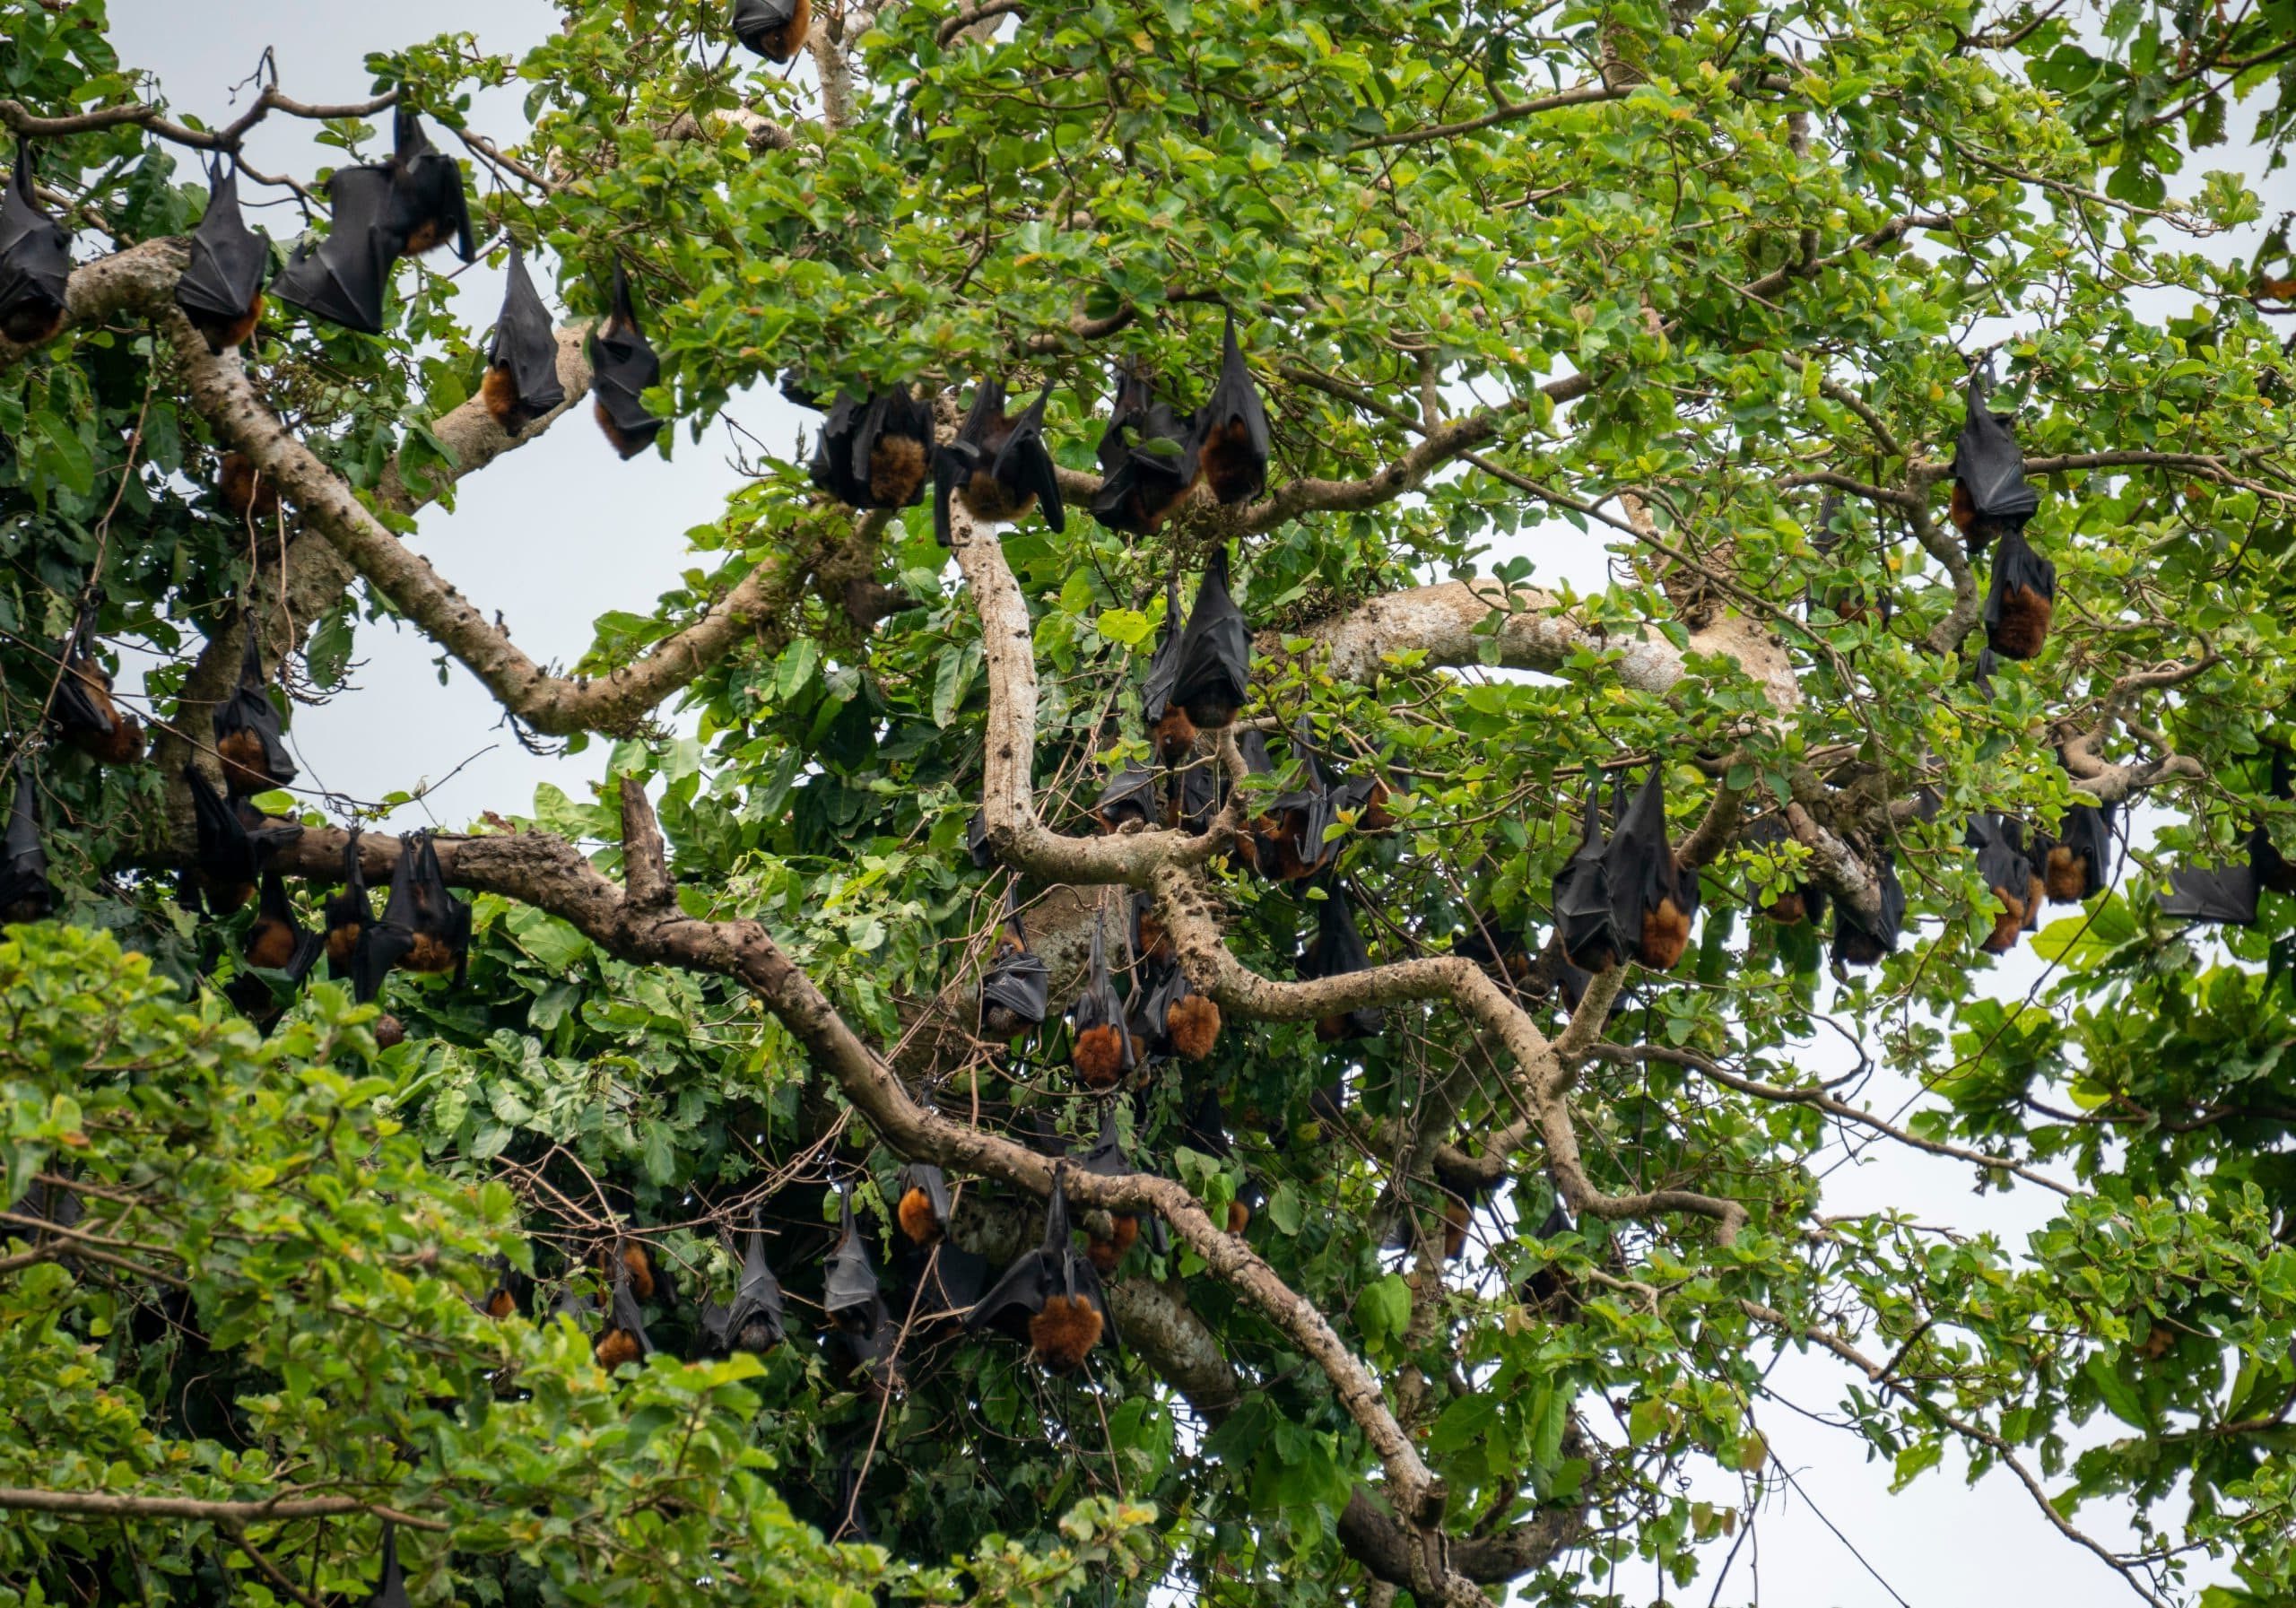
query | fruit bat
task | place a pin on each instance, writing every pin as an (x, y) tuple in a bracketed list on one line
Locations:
[(427, 207), (509, 1294), (2015, 881), (1292, 833), (850, 1290), (1549, 1287), (222, 290), (1016, 987), (1337, 950), (1191, 799), (85, 715), (1106, 1159), (2075, 861), (24, 893), (277, 942), (350, 913), (35, 262), (1151, 946), (1855, 942), (440, 922), (2274, 869), (1148, 459), (522, 383), (1230, 435), (1252, 748), (1488, 943), (623, 1337), (1051, 1298), (1849, 602), (1213, 680), (944, 1283), (863, 1346), (873, 452), (1204, 1131), (1179, 1019), (243, 489), (2020, 598), (1169, 726), (1991, 495), (1130, 795), (774, 28), (342, 278), (922, 1192), (633, 1259), (2225, 893), (234, 842), (977, 842), (1586, 918), (390, 1591), (754, 1320), (1103, 1052), (1653, 895), (622, 365), (247, 738), (998, 466)]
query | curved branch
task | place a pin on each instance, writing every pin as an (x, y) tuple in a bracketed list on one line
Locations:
[(107, 1505)]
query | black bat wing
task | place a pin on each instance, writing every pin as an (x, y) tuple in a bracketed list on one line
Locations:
[(251, 710), (380, 947), (228, 259), (23, 858), (1884, 931), (1989, 465), (1639, 862), (1216, 649), (2088, 833), (426, 188), (1021, 982), (342, 279), (1018, 1296), (623, 364), (2003, 866), (1133, 787), (951, 1280), (75, 707), (35, 250), (925, 1176), (2017, 566), (952, 465), (851, 1282), (2225, 893), (1234, 413), (757, 22), (1339, 951), (526, 344), (1585, 918), (833, 450), (977, 842), (627, 1317), (1164, 664), (1128, 417), (1024, 462), (1205, 1128), (390, 1591)]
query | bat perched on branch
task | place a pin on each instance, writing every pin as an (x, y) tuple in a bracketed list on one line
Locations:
[(1051, 1298), (1106, 1159), (234, 843), (622, 365), (1129, 797), (921, 1192), (753, 1321), (427, 207), (2007, 869), (1991, 495), (278, 942), (1337, 950), (1653, 894), (1230, 435), (998, 466), (25, 891), (2020, 599), (873, 452), (1102, 1051), (1213, 678), (851, 1287), (522, 383), (1859, 942), (344, 278), (622, 1338), (350, 913), (84, 711), (222, 290), (1148, 461), (249, 740), (774, 28), (1169, 726), (1016, 988), (1585, 912), (35, 261)]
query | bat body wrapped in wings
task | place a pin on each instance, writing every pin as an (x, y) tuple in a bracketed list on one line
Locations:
[(851, 1287), (1858, 941), (1231, 434), (1016, 987), (1102, 1051), (1148, 459), (248, 739), (2076, 863), (875, 452), (998, 466), (391, 1590), (2019, 598), (427, 208), (85, 715), (1991, 496), (1051, 1298), (2006, 868), (1129, 798), (1337, 950), (1168, 726), (25, 891), (349, 913), (344, 278), (234, 843), (622, 365), (1179, 1019), (35, 262), (221, 288), (755, 1321), (622, 1338), (522, 384), (1213, 678), (921, 1198), (1653, 895), (1584, 912), (1106, 1157), (278, 940), (1291, 836), (773, 29)]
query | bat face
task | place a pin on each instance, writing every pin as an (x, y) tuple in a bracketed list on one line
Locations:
[(773, 29), (427, 207), (247, 736), (1230, 437), (1213, 680), (342, 279), (35, 262), (522, 383), (222, 290), (623, 364)]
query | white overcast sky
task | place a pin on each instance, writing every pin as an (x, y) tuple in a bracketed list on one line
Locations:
[(561, 531)]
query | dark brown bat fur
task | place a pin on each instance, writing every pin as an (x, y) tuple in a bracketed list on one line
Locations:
[(389, 1032), (1787, 909), (628, 446), (244, 770), (499, 392), (2066, 875), (991, 502), (916, 1219), (2025, 616), (1239, 1217), (1105, 1254), (784, 42), (1175, 735), (429, 954), (244, 491), (1666, 933), (1062, 1335), (271, 943), (1229, 465), (896, 466)]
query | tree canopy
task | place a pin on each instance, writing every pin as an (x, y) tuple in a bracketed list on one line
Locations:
[(1439, 971)]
